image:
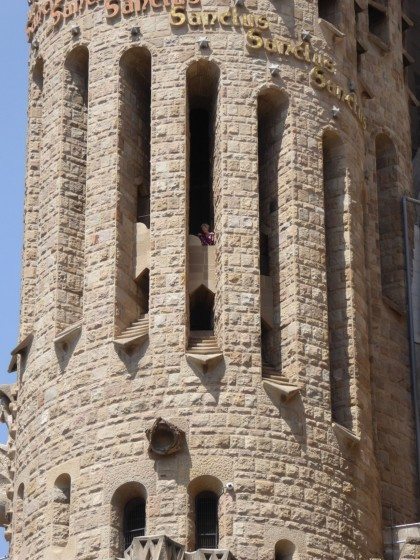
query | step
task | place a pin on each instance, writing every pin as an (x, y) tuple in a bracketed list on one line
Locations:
[(214, 350)]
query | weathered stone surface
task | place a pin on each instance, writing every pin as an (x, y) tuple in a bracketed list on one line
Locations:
[(287, 170)]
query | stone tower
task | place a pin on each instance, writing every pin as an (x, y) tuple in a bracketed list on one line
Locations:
[(246, 400)]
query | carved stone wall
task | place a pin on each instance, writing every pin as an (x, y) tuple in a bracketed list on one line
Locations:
[(84, 402)]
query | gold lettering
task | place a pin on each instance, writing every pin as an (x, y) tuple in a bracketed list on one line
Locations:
[(317, 77), (69, 10), (248, 21), (254, 40), (262, 22), (127, 7), (112, 8), (269, 45), (329, 65), (209, 18), (351, 100), (317, 59), (194, 19), (235, 20), (46, 8), (289, 49), (281, 46), (57, 12), (177, 16), (224, 17), (302, 52)]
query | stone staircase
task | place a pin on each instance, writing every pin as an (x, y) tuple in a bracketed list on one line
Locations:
[(203, 349), (273, 380), (164, 548), (135, 334)]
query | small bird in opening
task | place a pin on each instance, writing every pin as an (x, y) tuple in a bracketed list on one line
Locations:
[(206, 236)]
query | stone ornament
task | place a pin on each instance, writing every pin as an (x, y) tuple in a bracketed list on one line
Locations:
[(164, 438)]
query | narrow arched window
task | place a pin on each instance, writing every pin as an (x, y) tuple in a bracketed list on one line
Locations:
[(329, 10), (273, 143), (390, 224), (284, 550), (207, 520), (61, 510), (336, 225), (202, 88), (133, 235), (128, 517), (134, 520)]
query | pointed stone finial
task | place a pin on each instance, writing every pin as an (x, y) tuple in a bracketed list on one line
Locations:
[(274, 69), (335, 112), (203, 42), (75, 30), (306, 36)]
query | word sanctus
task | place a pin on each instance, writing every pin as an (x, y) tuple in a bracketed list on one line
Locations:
[(320, 81), (300, 51), (228, 18), (61, 11)]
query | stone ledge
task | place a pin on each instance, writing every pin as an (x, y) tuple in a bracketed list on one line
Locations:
[(69, 334), (331, 29), (346, 435), (382, 45), (134, 335), (162, 547), (21, 349), (287, 391)]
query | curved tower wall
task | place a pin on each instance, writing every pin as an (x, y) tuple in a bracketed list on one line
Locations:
[(319, 443)]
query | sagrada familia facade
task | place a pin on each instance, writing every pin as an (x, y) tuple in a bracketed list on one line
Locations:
[(220, 310)]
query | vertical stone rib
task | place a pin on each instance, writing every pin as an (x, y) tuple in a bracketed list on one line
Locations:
[(33, 189), (71, 242)]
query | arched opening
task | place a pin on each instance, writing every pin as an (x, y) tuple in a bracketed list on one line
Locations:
[(268, 351), (207, 520), (134, 183), (390, 226), (61, 510), (128, 516), (329, 10), (143, 287), (73, 187), (205, 513), (336, 226), (202, 310), (134, 523), (284, 550), (202, 92), (272, 114), (378, 22)]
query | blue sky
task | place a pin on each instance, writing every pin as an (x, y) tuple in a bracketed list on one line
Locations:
[(13, 94)]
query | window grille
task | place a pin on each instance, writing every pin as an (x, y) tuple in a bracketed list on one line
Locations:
[(134, 521), (207, 526)]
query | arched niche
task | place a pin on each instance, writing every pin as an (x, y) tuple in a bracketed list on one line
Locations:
[(272, 113), (133, 236), (128, 508), (204, 512)]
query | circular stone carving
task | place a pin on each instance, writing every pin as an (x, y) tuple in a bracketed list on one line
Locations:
[(164, 438)]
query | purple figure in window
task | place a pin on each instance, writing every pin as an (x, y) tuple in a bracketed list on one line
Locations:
[(206, 236)]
